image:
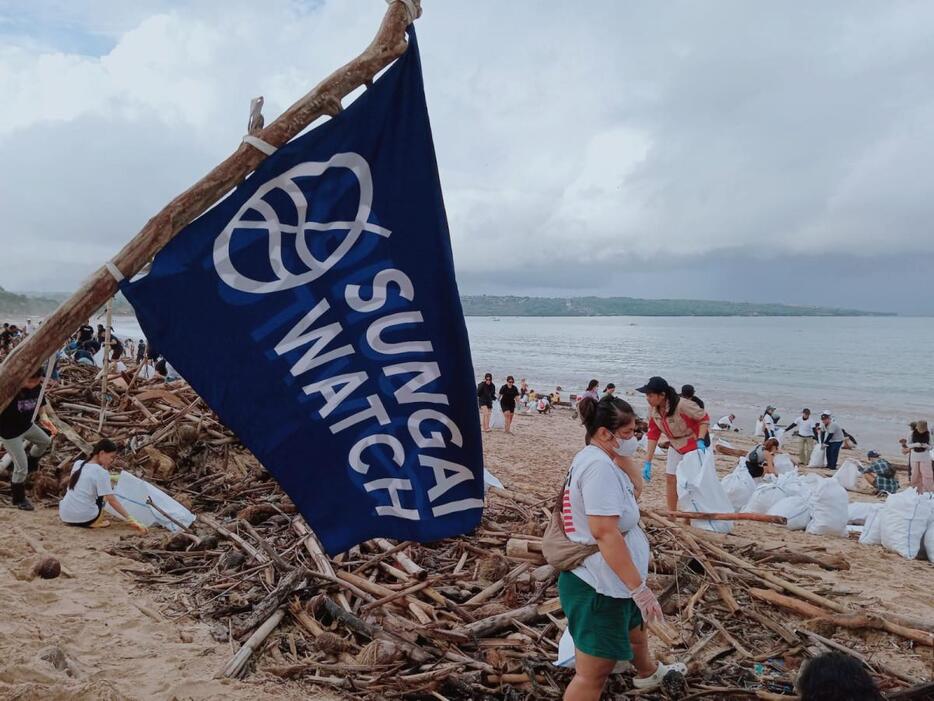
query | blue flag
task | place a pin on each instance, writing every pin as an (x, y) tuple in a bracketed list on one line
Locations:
[(315, 310)]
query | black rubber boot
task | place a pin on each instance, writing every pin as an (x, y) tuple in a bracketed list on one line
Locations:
[(32, 463), (19, 497)]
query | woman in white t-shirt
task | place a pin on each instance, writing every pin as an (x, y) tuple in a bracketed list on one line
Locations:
[(88, 489), (605, 598)]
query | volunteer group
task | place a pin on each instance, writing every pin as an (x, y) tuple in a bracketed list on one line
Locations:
[(602, 555), (26, 435)]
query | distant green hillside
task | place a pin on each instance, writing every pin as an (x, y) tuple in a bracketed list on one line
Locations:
[(631, 306), (15, 305)]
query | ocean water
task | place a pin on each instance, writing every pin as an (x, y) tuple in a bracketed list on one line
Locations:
[(874, 373)]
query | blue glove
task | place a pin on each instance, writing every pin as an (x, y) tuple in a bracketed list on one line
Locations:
[(647, 470), (701, 446)]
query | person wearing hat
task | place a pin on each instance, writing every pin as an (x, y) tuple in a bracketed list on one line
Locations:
[(681, 421), (17, 427), (832, 437), (880, 474)]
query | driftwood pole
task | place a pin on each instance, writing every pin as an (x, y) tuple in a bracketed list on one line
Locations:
[(388, 44), (106, 371)]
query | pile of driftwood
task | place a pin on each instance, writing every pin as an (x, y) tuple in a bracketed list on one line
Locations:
[(472, 617)]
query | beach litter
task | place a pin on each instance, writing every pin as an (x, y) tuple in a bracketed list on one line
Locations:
[(473, 617)]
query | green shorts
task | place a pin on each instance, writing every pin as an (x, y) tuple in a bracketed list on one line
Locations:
[(599, 624)]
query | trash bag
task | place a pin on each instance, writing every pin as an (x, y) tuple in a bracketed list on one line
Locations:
[(904, 521), (491, 480), (818, 456), (858, 512), (760, 429), (134, 493), (927, 542), (848, 474), (700, 490), (771, 491), (829, 504), (872, 529), (739, 485), (783, 464), (497, 420), (566, 653), (796, 509)]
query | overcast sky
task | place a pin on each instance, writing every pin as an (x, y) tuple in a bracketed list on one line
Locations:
[(721, 150)]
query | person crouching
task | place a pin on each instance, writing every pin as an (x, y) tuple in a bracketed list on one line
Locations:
[(17, 427), (89, 488)]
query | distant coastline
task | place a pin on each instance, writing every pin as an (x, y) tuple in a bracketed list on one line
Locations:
[(486, 305), (41, 304)]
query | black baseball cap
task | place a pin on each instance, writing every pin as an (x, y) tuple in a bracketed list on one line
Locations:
[(873, 454), (655, 385)]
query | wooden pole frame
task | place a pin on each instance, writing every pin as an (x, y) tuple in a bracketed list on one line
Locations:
[(388, 44)]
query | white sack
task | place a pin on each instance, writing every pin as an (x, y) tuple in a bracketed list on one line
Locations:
[(700, 490), (848, 474), (760, 429), (928, 541), (771, 491), (872, 528), (739, 486), (133, 493), (796, 509), (497, 420), (904, 520), (829, 503), (818, 456), (783, 464), (491, 480), (858, 511)]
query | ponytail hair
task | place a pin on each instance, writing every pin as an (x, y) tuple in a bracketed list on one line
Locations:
[(609, 413), (592, 385), (104, 445), (672, 397)]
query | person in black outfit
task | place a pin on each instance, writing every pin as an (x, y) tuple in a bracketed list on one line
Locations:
[(16, 427), (687, 392), (141, 350), (507, 401), (85, 334), (486, 393)]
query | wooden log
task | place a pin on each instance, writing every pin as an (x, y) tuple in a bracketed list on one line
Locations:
[(703, 516), (324, 98), (291, 582), (515, 496), (494, 624), (235, 666), (374, 632), (824, 561), (920, 692), (847, 620)]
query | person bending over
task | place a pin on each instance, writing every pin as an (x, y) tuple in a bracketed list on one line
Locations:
[(761, 459), (89, 488), (606, 598)]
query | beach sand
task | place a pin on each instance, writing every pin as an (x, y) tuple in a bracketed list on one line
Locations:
[(101, 635), (97, 636)]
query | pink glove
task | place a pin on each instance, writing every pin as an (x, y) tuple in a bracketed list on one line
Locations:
[(648, 605)]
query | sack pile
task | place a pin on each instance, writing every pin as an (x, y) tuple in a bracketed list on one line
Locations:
[(700, 490)]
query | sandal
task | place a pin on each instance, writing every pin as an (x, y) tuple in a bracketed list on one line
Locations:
[(661, 672)]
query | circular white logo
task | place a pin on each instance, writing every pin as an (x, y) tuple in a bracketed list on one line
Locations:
[(275, 229)]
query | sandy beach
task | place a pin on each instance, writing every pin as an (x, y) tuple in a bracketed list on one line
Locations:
[(105, 632)]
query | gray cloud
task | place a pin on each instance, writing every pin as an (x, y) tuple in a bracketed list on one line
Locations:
[(729, 150)]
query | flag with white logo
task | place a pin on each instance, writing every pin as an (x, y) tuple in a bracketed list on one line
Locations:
[(315, 310)]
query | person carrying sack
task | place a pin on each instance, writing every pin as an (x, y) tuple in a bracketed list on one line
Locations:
[(605, 597), (682, 421)]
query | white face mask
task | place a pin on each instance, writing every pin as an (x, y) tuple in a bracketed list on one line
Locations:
[(627, 447)]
